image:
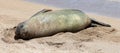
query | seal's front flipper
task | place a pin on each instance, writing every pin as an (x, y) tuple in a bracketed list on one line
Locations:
[(95, 23), (45, 10), (42, 11)]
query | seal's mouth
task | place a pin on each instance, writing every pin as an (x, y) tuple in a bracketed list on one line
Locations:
[(21, 34), (17, 33), (16, 37)]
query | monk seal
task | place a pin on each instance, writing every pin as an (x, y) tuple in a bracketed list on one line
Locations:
[(47, 22)]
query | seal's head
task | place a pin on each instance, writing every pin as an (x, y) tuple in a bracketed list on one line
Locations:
[(20, 32)]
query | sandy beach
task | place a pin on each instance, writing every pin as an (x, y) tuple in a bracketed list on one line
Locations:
[(90, 40)]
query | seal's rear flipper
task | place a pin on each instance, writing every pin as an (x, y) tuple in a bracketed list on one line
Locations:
[(95, 23)]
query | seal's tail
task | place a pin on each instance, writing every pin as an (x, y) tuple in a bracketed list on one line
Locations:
[(99, 23)]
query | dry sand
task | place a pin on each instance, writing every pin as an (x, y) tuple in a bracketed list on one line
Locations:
[(90, 40)]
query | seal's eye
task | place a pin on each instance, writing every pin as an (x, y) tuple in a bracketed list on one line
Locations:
[(21, 26), (19, 29)]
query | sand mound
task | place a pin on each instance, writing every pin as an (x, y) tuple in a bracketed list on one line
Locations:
[(84, 35), (61, 42)]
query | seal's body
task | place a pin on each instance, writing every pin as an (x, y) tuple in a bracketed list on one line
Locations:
[(47, 22)]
